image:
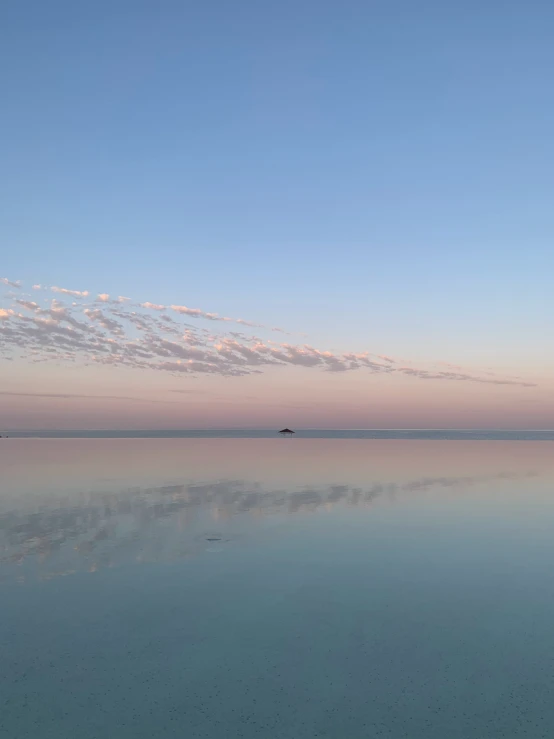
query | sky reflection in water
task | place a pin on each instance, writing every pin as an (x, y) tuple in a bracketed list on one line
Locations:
[(231, 587), (99, 522)]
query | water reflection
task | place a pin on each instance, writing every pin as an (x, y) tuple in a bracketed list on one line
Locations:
[(257, 588), (99, 529)]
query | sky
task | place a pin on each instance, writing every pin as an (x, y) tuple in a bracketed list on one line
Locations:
[(253, 214)]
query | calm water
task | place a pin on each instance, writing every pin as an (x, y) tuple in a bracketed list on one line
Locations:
[(437, 434), (279, 589)]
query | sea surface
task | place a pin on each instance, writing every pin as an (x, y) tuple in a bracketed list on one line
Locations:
[(445, 434), (268, 588)]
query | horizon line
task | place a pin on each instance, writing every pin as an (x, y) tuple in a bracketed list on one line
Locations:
[(267, 428)]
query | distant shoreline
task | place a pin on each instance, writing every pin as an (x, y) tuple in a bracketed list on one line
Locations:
[(406, 434)]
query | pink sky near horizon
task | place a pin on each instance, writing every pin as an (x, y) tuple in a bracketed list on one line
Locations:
[(98, 362), (72, 397)]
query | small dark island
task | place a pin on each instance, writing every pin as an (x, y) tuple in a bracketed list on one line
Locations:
[(286, 432)]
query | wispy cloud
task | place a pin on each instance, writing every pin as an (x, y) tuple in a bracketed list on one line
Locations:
[(252, 324), (71, 396), (197, 313), (10, 283), (149, 339), (106, 298), (108, 323), (460, 376), (28, 304), (74, 293)]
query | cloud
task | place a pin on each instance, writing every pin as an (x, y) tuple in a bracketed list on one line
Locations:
[(142, 342), (148, 339), (56, 313), (10, 283), (460, 376), (108, 323), (197, 313), (106, 298), (148, 305), (81, 396), (75, 293), (249, 323), (28, 304)]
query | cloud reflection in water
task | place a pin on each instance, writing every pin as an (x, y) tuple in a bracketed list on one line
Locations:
[(170, 522)]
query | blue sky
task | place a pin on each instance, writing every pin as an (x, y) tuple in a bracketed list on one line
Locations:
[(363, 172)]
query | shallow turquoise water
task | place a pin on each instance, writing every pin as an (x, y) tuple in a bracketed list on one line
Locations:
[(259, 588)]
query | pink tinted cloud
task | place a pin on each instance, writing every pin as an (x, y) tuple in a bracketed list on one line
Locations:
[(74, 293), (10, 283), (118, 336)]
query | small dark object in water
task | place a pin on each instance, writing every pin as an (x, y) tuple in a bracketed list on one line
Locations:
[(213, 538), (286, 432)]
